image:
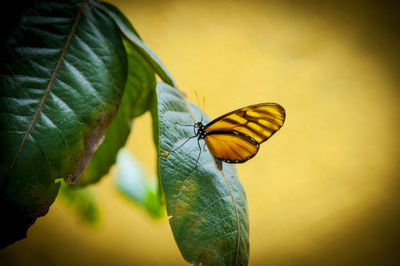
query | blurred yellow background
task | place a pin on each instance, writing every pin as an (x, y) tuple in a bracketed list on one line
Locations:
[(324, 190)]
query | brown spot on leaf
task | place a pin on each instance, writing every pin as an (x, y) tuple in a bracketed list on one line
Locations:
[(91, 145), (164, 153)]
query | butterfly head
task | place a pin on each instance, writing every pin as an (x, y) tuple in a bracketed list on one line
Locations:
[(201, 130)]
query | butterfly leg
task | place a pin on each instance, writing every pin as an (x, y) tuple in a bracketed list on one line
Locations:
[(183, 143), (198, 157), (204, 146), (183, 125)]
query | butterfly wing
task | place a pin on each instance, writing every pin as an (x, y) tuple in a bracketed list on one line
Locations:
[(231, 146), (259, 121)]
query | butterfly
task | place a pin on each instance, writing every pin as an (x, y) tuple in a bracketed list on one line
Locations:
[(235, 137)]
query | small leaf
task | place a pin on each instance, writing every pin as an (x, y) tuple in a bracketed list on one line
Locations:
[(208, 207), (136, 185), (82, 202), (132, 36), (62, 73)]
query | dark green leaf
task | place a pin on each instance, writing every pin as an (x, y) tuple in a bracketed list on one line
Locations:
[(62, 74), (208, 207), (137, 98), (136, 185), (132, 36), (82, 202), (141, 82)]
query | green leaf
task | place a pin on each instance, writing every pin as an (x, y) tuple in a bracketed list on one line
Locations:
[(82, 202), (208, 207), (62, 73), (141, 82), (136, 185), (132, 36), (137, 98), (156, 141)]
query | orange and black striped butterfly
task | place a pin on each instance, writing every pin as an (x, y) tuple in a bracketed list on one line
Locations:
[(235, 137)]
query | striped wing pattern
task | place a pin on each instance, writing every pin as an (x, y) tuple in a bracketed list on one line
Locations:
[(231, 147), (235, 136)]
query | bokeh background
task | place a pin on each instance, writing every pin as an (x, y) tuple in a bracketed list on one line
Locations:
[(324, 190)]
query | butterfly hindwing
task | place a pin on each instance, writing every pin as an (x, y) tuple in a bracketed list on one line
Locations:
[(231, 146)]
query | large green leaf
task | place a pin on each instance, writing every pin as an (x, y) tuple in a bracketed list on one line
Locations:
[(137, 98), (133, 37), (62, 74), (207, 207)]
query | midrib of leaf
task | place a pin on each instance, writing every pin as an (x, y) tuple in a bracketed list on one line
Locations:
[(49, 85), (237, 216), (230, 191)]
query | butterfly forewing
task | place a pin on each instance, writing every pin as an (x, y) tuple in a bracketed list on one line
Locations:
[(259, 121)]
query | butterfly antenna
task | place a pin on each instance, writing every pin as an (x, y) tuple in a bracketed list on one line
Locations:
[(202, 114), (198, 102), (197, 98)]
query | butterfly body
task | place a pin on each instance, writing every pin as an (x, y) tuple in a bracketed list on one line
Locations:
[(236, 136)]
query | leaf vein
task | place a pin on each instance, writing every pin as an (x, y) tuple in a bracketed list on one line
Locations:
[(78, 74), (64, 103), (42, 150), (221, 237), (237, 217), (58, 130), (212, 203), (52, 78)]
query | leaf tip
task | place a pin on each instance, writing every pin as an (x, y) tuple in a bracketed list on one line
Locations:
[(58, 180)]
